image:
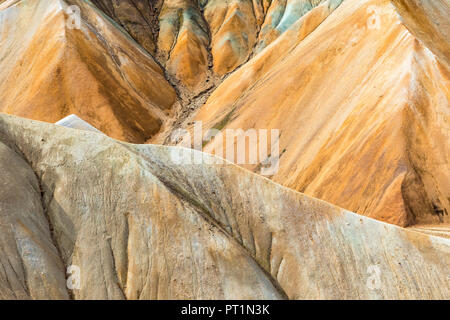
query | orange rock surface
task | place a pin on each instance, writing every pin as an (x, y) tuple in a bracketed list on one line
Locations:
[(363, 110), (138, 17), (183, 42), (428, 21), (140, 226), (359, 89), (199, 41)]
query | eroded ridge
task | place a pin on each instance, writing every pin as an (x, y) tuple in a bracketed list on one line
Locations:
[(141, 227)]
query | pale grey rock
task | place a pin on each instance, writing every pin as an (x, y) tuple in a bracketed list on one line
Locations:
[(140, 226)]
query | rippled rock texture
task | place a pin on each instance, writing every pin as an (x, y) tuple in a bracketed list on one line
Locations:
[(359, 90), (140, 226)]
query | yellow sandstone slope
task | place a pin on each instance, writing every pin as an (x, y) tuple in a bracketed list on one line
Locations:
[(363, 110), (139, 225), (50, 70)]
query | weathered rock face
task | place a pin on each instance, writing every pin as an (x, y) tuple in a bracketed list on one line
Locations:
[(358, 88), (75, 122), (362, 106), (283, 14), (138, 17), (30, 263), (183, 42), (50, 70), (200, 40), (140, 226), (428, 21)]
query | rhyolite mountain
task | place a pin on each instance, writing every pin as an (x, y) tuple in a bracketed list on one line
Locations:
[(363, 109), (140, 226), (359, 90)]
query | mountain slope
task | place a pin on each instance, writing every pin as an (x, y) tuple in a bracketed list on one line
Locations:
[(140, 226), (72, 121), (201, 41), (362, 106), (362, 103), (50, 70)]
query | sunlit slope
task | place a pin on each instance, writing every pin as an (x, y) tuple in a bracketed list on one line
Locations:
[(363, 110), (200, 41), (51, 69)]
